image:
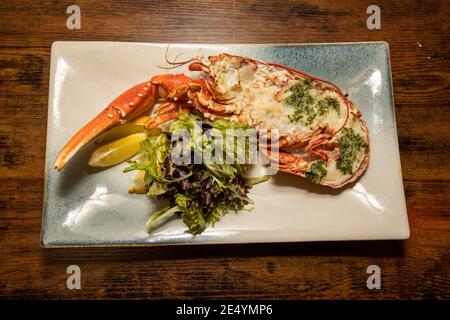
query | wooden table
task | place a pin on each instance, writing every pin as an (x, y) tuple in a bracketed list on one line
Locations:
[(418, 34)]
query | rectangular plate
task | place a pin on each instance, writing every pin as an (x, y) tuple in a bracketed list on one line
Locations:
[(87, 207)]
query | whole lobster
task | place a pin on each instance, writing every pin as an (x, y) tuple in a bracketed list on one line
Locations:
[(321, 133)]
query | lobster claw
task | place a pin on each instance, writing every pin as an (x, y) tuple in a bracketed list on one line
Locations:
[(127, 106)]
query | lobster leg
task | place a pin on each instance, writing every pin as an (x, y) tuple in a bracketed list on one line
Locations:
[(285, 161), (292, 163), (205, 100), (172, 106), (166, 116), (165, 108)]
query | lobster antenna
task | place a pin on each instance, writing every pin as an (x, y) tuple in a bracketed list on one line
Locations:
[(178, 55), (174, 64)]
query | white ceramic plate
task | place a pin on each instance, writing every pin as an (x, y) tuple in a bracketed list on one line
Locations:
[(84, 207)]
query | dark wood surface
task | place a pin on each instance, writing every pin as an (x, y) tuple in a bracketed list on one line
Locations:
[(418, 34)]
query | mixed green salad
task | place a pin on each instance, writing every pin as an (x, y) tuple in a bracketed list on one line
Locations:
[(199, 192)]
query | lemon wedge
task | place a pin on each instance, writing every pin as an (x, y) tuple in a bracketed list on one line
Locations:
[(134, 126), (117, 151), (139, 183), (141, 120)]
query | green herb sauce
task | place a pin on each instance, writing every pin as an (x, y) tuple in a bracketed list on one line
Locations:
[(349, 146), (302, 102), (306, 109), (316, 171), (324, 106)]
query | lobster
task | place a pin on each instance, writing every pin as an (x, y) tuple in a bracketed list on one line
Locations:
[(322, 135)]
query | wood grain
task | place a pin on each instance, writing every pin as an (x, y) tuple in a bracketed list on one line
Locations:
[(418, 34)]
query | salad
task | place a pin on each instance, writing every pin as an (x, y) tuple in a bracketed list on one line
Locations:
[(198, 192)]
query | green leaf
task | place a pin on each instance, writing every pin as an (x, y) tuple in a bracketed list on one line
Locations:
[(157, 188), (225, 124), (182, 201), (251, 181), (159, 217), (222, 170), (194, 220), (216, 214)]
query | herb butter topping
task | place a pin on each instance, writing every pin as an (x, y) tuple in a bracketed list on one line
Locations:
[(306, 107), (350, 145)]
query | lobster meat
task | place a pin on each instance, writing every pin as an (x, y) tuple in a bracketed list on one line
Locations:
[(321, 133)]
